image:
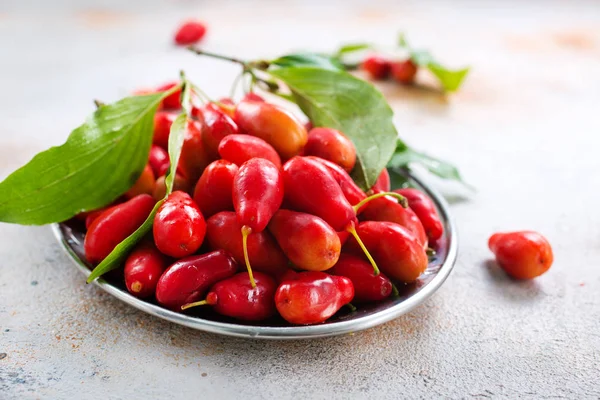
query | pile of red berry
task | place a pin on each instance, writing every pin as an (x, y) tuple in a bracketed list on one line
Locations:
[(380, 68), (264, 219)]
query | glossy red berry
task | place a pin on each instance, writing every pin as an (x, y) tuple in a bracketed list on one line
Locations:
[(216, 124), (240, 148), (425, 210), (368, 287), (377, 67), (143, 268), (312, 297), (398, 253), (223, 231), (382, 184), (404, 71), (310, 188), (257, 193), (193, 158), (331, 145), (188, 279), (190, 32), (308, 241), (179, 226), (523, 254), (158, 160), (162, 127), (235, 297), (114, 225), (172, 101)]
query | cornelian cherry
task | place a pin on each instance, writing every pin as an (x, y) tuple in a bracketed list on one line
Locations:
[(216, 124), (143, 268), (522, 254), (213, 192), (193, 158), (188, 279), (312, 297), (377, 67), (179, 226), (190, 32), (404, 71), (240, 148), (308, 241), (158, 160), (382, 184), (351, 191), (272, 123), (114, 225), (162, 127), (367, 286), (223, 231), (236, 297), (257, 194), (388, 209), (425, 210), (398, 253), (172, 101), (331, 145)]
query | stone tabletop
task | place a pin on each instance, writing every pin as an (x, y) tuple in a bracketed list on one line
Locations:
[(525, 131)]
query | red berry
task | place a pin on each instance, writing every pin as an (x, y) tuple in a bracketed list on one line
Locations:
[(172, 101), (522, 255), (404, 71), (114, 225), (143, 268), (377, 67), (162, 127), (189, 33), (179, 226), (158, 160), (331, 145), (143, 185)]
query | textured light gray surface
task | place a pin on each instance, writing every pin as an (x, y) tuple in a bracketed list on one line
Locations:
[(525, 131)]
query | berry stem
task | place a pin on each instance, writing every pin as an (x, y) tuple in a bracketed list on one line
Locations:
[(194, 304), (217, 56), (350, 228), (246, 230), (351, 307), (401, 199), (395, 291)]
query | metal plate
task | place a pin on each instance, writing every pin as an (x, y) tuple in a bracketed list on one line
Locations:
[(367, 316)]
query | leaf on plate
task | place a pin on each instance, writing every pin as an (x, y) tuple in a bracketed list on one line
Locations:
[(404, 156), (117, 257), (336, 99), (100, 161), (307, 60)]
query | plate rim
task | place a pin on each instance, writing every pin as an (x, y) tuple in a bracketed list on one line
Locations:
[(294, 332)]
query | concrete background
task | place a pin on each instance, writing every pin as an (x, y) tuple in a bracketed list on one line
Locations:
[(525, 131)]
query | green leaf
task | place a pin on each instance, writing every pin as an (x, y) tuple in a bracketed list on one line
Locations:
[(351, 48), (450, 79), (398, 180), (117, 257), (338, 100), (404, 156), (307, 60), (100, 161)]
